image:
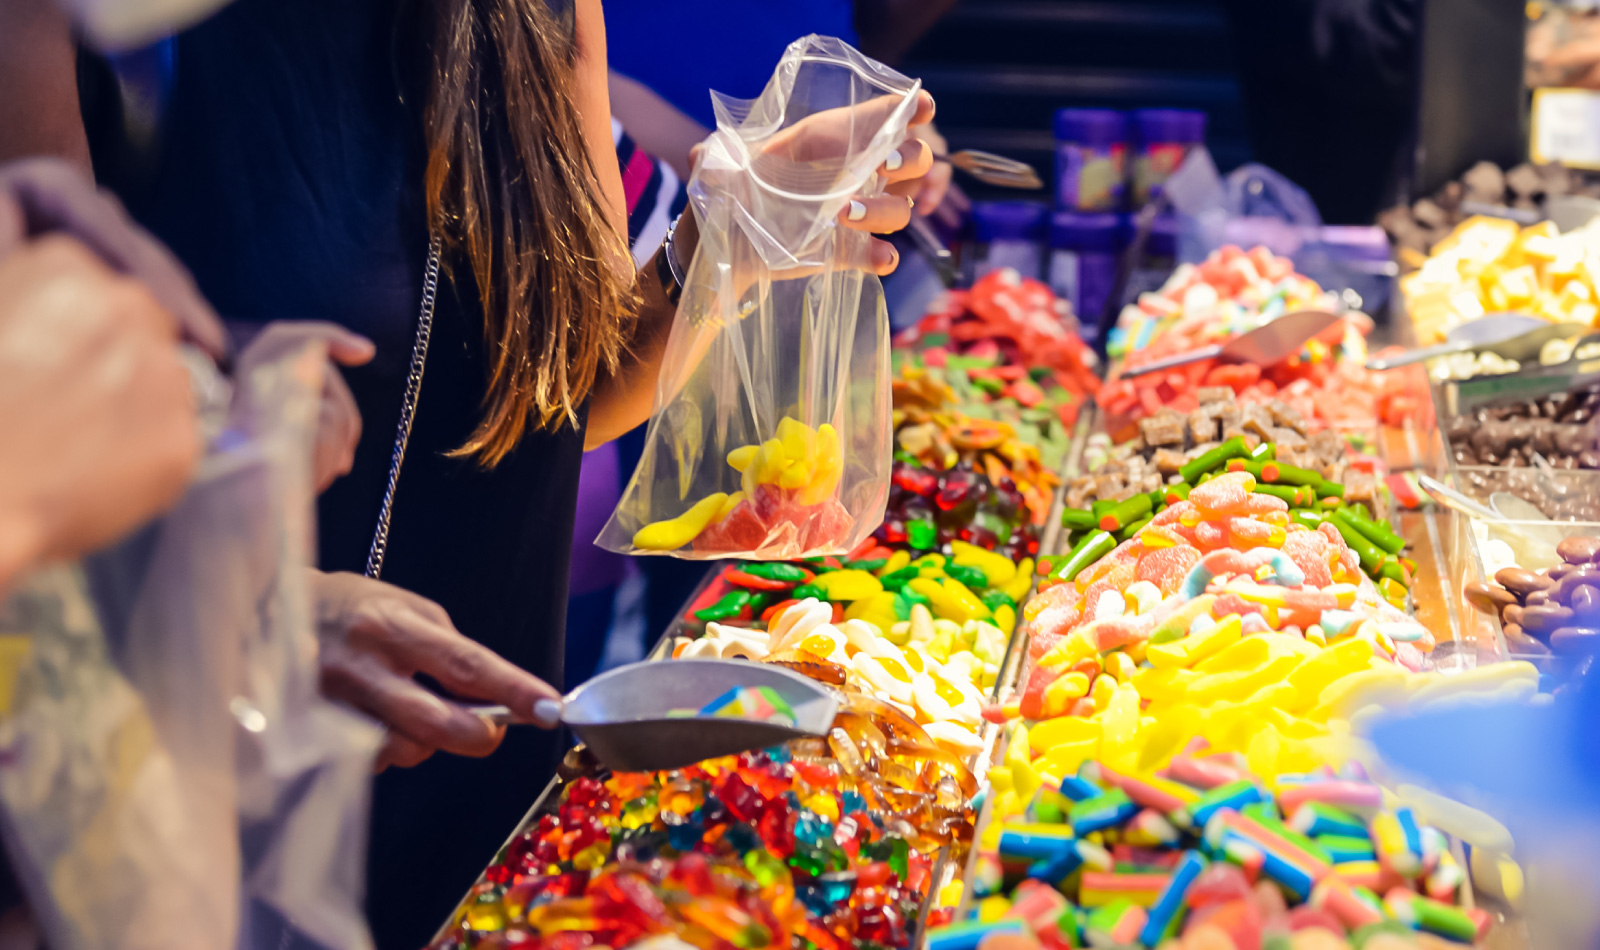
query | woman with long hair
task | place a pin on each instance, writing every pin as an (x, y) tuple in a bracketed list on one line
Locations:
[(437, 175)]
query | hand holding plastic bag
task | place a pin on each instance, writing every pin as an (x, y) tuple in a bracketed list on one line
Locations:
[(771, 428)]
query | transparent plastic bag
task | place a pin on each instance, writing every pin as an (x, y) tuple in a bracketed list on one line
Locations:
[(770, 435), (169, 776)]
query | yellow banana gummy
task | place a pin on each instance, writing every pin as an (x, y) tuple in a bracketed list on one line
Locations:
[(674, 533)]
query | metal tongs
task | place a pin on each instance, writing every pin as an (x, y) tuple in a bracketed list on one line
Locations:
[(992, 169), (631, 717)]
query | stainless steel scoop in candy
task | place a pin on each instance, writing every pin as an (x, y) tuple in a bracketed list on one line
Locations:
[(1514, 336), (624, 715), (992, 169), (1265, 345)]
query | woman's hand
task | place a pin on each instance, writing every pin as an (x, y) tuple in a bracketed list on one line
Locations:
[(374, 638), (338, 418), (834, 132), (97, 417), (48, 196)]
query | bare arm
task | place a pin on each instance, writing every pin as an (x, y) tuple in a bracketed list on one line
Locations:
[(889, 28), (654, 123), (39, 112)]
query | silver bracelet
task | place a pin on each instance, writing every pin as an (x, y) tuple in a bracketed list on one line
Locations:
[(671, 246)]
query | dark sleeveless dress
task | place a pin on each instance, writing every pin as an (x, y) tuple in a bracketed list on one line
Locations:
[(289, 181)]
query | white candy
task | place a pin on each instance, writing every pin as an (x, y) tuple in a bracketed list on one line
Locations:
[(957, 739), (1142, 596), (1110, 605), (797, 621)]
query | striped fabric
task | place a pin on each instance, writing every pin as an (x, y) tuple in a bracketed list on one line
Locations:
[(655, 195)]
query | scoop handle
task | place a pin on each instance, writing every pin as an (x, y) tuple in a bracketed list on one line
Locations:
[(1380, 363), (1168, 362)]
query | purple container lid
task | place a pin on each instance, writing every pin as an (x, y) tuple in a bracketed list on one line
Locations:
[(1358, 242), (1094, 127), (1086, 231), (1162, 240), (1008, 220), (1169, 125)]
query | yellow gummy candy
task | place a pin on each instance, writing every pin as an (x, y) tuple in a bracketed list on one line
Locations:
[(1005, 617), (896, 561), (1017, 587), (847, 584), (674, 533), (728, 505), (1335, 662), (740, 458)]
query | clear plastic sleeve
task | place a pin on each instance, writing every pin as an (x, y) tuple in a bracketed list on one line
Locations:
[(770, 435)]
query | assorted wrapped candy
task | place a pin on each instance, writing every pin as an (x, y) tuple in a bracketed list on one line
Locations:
[(830, 841)]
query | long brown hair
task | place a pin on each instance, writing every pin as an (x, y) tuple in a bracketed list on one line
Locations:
[(512, 186)]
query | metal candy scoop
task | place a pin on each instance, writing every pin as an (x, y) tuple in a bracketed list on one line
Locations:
[(992, 169), (1515, 336), (624, 715), (1265, 345)]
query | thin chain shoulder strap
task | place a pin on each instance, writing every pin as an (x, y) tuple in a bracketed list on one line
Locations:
[(408, 408)]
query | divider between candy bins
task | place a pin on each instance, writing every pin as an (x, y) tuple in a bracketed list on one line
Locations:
[(1125, 668)]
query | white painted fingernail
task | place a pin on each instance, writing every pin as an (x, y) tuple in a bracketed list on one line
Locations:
[(894, 161), (857, 210), (911, 201), (547, 713)]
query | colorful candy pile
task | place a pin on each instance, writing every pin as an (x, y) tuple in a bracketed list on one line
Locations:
[(1168, 442), (926, 634), (1232, 293), (1017, 317), (1202, 854), (1309, 499), (1491, 265), (1223, 618), (831, 841)]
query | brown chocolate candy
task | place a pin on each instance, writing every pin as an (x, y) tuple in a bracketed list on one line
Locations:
[(1581, 575), (1578, 550), (1536, 599), (1478, 596), (1512, 615), (1520, 582), (1520, 644), (1514, 631), (1575, 640), (1545, 618), (1585, 604)]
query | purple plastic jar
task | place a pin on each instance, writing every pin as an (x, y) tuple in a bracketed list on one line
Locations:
[(1164, 137), (1091, 159), (1083, 263), (1008, 234)]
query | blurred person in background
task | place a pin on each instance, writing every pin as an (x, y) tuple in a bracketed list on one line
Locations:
[(1330, 89), (307, 154)]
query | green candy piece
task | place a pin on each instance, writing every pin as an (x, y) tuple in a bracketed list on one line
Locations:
[(973, 578), (921, 534), (1125, 512), (808, 590), (1264, 452), (1094, 546), (1214, 459), (1077, 519), (996, 597), (868, 565), (774, 571), (1130, 530)]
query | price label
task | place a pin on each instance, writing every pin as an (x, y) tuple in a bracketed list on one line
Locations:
[(1566, 127)]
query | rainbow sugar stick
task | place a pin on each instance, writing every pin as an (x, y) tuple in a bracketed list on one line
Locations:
[(969, 933), (1115, 925), (1367, 874), (1316, 819), (1079, 789), (1164, 915), (1343, 849), (1039, 905), (1104, 811), (1056, 869), (1234, 795), (1163, 795), (1344, 902), (1362, 798), (1202, 772), (1399, 847), (1444, 881), (1149, 827), (1099, 888), (1268, 840), (1431, 916), (1048, 806), (1026, 841)]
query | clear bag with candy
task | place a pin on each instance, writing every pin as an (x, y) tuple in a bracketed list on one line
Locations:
[(770, 435)]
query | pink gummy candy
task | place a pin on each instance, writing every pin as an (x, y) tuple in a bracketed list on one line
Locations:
[(1167, 567), (1227, 494), (1209, 536), (1261, 504), (1245, 533), (1217, 884), (1309, 552)]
